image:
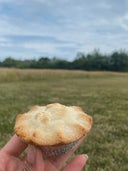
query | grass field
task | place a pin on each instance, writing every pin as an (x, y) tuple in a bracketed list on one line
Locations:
[(103, 95)]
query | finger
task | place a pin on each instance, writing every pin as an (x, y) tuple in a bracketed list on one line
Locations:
[(77, 163), (49, 166), (59, 161), (31, 154), (15, 146), (39, 161), (34, 158)]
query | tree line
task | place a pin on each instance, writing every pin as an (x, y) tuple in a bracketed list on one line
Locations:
[(95, 61)]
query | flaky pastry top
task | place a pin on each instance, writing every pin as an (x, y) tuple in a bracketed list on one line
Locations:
[(52, 124)]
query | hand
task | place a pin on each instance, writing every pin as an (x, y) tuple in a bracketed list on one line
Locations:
[(33, 160)]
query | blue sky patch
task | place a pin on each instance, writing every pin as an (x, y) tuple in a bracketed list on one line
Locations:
[(34, 28)]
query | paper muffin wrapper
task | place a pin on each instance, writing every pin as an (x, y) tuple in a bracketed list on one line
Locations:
[(50, 151)]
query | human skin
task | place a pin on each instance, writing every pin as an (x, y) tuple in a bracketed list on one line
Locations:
[(33, 160)]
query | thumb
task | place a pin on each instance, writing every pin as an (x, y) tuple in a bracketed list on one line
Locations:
[(77, 163)]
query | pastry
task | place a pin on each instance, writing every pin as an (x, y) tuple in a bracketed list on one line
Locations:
[(54, 127)]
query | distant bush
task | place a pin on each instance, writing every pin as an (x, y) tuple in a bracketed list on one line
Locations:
[(95, 61)]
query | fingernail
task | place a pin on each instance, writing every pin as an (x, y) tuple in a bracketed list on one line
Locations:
[(31, 154), (86, 156)]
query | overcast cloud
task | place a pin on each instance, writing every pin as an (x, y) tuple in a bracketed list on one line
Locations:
[(34, 28)]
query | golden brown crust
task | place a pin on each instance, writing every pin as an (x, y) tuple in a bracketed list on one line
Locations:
[(53, 124)]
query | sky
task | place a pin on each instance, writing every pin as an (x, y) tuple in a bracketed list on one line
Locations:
[(30, 29)]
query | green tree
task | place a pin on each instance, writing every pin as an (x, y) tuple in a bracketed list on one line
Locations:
[(9, 62), (43, 62), (119, 61), (79, 62)]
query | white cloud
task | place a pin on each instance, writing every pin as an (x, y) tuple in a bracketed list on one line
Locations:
[(47, 47), (3, 39), (78, 25), (6, 27), (6, 1), (123, 21), (105, 5)]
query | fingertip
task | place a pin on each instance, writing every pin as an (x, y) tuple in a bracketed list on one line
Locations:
[(81, 159), (77, 163), (86, 156)]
